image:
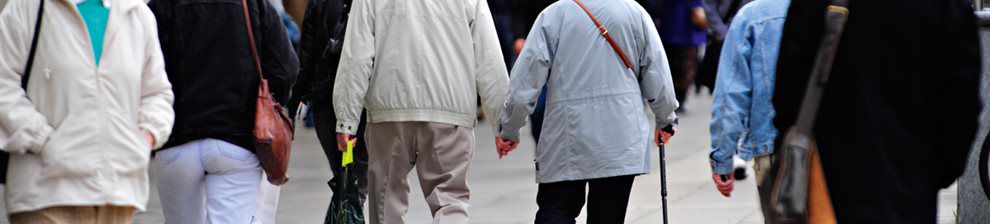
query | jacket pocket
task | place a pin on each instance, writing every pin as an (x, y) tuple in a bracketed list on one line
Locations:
[(69, 150)]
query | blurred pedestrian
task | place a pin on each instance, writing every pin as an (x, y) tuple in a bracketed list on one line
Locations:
[(900, 112), (682, 27), (418, 68), (209, 172), (502, 15), (322, 40), (719, 14), (596, 133), (96, 102), (742, 113)]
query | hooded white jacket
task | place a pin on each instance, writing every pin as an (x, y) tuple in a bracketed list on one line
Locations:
[(419, 60), (81, 138)]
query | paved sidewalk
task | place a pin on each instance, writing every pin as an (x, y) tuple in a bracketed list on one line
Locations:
[(504, 191)]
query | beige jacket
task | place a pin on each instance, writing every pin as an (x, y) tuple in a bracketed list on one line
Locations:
[(81, 138), (419, 60)]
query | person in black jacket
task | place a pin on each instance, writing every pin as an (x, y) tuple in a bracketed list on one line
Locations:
[(899, 114), (208, 172), (322, 38)]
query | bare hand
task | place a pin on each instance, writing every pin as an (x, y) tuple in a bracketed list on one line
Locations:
[(505, 146), (151, 140), (662, 136), (724, 187), (342, 139)]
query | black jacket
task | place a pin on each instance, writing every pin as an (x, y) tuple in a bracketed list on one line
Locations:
[(900, 113), (319, 51), (208, 60)]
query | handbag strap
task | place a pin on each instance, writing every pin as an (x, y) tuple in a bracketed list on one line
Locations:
[(604, 32), (34, 46), (835, 21), (254, 47)]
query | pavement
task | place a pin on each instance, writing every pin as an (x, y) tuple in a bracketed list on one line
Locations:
[(504, 191)]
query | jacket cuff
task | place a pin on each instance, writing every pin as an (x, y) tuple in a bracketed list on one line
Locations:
[(348, 127), (663, 121), (29, 141), (720, 167), (507, 135), (159, 139), (41, 139)]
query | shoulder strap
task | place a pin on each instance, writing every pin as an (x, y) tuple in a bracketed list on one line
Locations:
[(254, 47), (34, 46), (835, 21), (608, 37)]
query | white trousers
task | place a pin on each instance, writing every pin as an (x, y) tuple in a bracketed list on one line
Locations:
[(207, 182), (267, 205)]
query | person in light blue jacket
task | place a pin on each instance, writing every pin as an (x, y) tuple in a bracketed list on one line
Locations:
[(742, 112), (596, 134)]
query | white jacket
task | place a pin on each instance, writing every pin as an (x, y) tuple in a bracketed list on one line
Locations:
[(81, 138), (419, 60)]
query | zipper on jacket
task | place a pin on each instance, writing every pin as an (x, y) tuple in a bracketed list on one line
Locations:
[(102, 177)]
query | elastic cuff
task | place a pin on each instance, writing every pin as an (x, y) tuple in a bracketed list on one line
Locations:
[(40, 139), (506, 135), (720, 167), (348, 127), (159, 141)]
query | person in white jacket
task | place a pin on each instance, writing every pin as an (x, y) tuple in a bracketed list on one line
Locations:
[(418, 67), (81, 135)]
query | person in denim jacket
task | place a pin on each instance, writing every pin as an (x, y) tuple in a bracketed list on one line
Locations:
[(742, 112)]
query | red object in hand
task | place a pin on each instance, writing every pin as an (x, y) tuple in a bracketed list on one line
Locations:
[(342, 139), (724, 185)]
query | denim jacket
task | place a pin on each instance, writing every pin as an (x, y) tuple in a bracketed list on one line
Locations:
[(742, 112)]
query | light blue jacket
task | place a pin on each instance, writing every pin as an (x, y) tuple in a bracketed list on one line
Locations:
[(742, 112), (596, 125)]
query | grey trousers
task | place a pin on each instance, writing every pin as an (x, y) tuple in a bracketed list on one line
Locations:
[(441, 154)]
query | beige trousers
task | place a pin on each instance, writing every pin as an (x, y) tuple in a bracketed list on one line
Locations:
[(441, 154), (107, 214)]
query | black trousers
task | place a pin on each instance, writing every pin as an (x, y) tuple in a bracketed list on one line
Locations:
[(357, 183), (561, 202)]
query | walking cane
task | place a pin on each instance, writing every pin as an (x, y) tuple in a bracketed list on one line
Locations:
[(345, 161), (663, 181)]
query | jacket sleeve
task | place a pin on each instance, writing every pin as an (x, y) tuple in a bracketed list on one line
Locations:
[(491, 75), (529, 75), (655, 82), (715, 20), (278, 59), (732, 97), (155, 114), (22, 128), (356, 63)]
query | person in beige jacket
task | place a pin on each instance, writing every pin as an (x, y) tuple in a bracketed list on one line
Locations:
[(418, 67), (82, 134)]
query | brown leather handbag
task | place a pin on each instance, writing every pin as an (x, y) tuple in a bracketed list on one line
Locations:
[(272, 125), (798, 191)]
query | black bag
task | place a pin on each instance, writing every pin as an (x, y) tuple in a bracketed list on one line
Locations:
[(4, 156), (789, 194)]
